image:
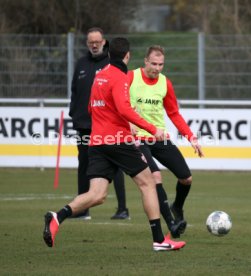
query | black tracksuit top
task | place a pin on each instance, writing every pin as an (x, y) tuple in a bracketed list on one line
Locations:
[(85, 71)]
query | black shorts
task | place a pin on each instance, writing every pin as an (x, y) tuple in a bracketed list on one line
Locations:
[(168, 155), (104, 161)]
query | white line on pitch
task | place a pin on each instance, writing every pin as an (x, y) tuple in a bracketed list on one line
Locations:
[(22, 197)]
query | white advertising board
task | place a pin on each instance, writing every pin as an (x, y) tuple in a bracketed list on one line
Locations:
[(29, 138)]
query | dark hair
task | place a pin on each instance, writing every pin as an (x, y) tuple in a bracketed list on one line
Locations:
[(119, 47), (95, 29), (155, 48)]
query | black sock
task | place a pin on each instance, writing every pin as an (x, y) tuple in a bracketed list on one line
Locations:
[(119, 186), (164, 206), (64, 213), (156, 230), (181, 194)]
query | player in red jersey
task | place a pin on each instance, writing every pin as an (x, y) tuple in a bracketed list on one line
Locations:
[(112, 146)]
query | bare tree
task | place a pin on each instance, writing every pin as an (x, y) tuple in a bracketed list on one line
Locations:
[(54, 16), (214, 16)]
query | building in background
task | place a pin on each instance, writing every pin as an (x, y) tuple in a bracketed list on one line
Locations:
[(149, 18)]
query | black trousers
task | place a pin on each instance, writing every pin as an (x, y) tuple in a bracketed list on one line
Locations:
[(168, 155)]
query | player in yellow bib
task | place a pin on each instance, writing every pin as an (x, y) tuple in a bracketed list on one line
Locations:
[(152, 94)]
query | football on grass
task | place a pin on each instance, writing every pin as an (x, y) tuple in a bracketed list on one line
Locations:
[(219, 223)]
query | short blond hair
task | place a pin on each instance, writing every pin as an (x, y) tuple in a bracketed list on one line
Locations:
[(154, 48)]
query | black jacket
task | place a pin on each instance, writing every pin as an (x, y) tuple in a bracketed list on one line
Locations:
[(85, 71)]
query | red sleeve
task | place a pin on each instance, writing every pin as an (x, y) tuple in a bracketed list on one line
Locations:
[(122, 103), (130, 76), (172, 110), (89, 107)]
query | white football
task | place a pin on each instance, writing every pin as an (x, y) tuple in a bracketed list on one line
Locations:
[(219, 223)]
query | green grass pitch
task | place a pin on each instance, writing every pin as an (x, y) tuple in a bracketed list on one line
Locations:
[(105, 247)]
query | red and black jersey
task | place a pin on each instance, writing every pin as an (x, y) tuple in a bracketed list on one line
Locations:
[(111, 110)]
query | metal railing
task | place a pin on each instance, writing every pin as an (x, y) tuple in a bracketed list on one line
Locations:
[(200, 66), (182, 103)]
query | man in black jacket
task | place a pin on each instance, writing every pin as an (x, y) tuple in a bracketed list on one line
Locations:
[(85, 71)]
